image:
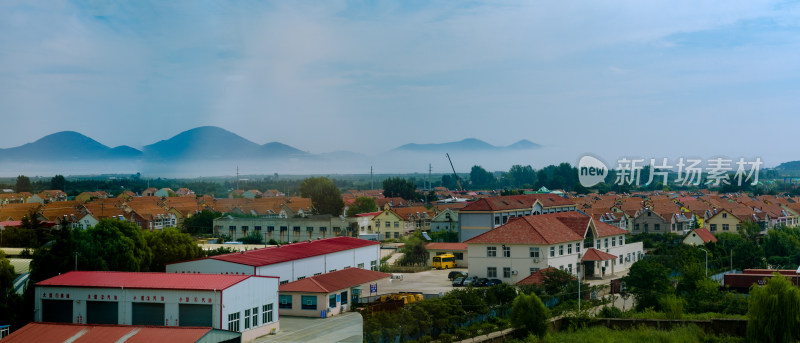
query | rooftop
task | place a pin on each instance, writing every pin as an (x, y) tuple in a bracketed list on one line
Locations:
[(333, 281), (58, 332), (144, 280)]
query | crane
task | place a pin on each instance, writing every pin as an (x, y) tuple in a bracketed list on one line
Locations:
[(454, 172)]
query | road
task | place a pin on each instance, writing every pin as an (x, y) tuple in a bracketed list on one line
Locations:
[(347, 327)]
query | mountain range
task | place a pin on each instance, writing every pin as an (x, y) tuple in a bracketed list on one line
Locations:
[(207, 142)]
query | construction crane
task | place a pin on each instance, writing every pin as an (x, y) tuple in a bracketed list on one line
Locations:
[(454, 172)]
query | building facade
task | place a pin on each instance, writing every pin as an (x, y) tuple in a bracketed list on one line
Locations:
[(488, 213), (285, 229)]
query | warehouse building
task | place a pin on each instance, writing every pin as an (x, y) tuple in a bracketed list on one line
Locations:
[(290, 262), (60, 332), (240, 303)]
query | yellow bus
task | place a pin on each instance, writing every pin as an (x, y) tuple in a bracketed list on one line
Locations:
[(444, 261)]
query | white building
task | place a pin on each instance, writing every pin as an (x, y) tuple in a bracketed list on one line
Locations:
[(329, 294), (563, 240), (290, 262), (241, 303)]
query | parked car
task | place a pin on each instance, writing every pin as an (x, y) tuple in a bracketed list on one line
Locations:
[(492, 282), (454, 274), (469, 280), (480, 282), (459, 281)]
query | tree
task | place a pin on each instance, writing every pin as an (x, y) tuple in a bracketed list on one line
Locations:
[(648, 281), (23, 184), (31, 222), (114, 245), (252, 238), (414, 251), (521, 176), (481, 178), (58, 182), (774, 312), (362, 205), (325, 196), (400, 187), (169, 246), (10, 302), (529, 315), (201, 223)]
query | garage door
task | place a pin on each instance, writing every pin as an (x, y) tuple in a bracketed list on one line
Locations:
[(147, 314), (195, 315), (57, 311), (102, 312)]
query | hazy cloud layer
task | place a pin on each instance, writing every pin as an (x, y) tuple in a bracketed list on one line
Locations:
[(651, 79)]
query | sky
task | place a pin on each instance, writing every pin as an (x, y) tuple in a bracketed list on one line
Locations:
[(611, 78)]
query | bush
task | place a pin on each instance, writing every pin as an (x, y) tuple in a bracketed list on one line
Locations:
[(609, 312), (774, 312), (529, 315), (672, 305)]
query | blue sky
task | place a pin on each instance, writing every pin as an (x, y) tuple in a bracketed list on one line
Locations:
[(634, 78)]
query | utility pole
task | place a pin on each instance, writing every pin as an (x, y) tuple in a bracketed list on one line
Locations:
[(237, 177), (579, 286), (76, 260), (371, 184), (430, 185)]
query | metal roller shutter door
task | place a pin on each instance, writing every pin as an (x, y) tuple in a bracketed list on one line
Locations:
[(57, 311), (102, 312), (147, 314), (195, 315)]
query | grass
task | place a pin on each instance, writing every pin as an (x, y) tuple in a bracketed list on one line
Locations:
[(690, 333)]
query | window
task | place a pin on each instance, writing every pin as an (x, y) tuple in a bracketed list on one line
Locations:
[(270, 228), (636, 227), (323, 229), (491, 251), (657, 227), (713, 227), (606, 242), (296, 229), (552, 251), (284, 228), (233, 321), (373, 265), (361, 265), (506, 272), (560, 250), (285, 301), (309, 228), (724, 215), (258, 228), (344, 298), (534, 252), (308, 302), (496, 220), (491, 272), (284, 282), (534, 270), (506, 251), (725, 227), (388, 224), (396, 235), (620, 259), (247, 318), (569, 248), (332, 301), (388, 235), (266, 313), (578, 248), (738, 227), (569, 268), (621, 240), (244, 230), (505, 218), (646, 227), (613, 241), (396, 225), (648, 213), (459, 255)]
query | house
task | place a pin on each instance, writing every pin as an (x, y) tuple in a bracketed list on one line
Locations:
[(445, 221), (164, 192), (565, 240), (486, 214), (723, 221), (329, 294), (366, 223), (699, 237), (459, 250), (289, 262), (536, 278), (399, 222), (649, 221), (149, 192), (239, 303)]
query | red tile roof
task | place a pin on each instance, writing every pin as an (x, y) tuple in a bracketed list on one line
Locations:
[(705, 235), (605, 229), (369, 214), (58, 332), (144, 280), (446, 246), (538, 229), (334, 281), (294, 251), (593, 254), (536, 278), (512, 202)]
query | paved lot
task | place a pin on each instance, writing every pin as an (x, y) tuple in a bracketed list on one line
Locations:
[(429, 282), (345, 328)]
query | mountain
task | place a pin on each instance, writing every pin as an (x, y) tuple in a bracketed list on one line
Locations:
[(469, 144), (524, 145), (202, 142), (792, 165), (277, 149), (66, 146)]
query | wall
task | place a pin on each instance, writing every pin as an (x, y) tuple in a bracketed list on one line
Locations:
[(520, 260), (252, 293), (210, 266)]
